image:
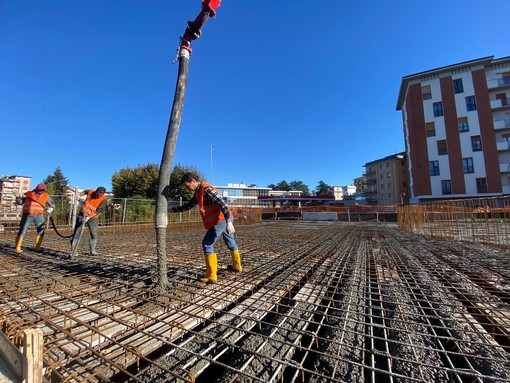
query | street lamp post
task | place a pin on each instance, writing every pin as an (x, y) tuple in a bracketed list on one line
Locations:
[(210, 171)]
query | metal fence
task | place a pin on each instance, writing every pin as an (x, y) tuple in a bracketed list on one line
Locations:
[(119, 212), (477, 220)]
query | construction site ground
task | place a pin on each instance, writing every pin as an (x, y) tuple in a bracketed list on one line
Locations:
[(315, 302)]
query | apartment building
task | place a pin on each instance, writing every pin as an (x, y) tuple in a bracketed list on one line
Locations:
[(456, 122), (386, 181), (343, 192), (361, 185), (10, 186)]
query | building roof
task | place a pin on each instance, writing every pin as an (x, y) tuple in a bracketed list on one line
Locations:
[(407, 79), (393, 156)]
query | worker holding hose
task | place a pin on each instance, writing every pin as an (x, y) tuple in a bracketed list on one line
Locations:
[(94, 204), (217, 219), (34, 202)]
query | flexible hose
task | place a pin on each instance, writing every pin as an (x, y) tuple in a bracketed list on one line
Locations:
[(56, 231)]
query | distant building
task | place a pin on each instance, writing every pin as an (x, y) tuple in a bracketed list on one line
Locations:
[(10, 186), (242, 195), (386, 180), (457, 129), (343, 192), (360, 183)]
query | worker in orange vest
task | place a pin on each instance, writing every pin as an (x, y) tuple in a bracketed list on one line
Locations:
[(217, 219), (94, 204), (34, 203)]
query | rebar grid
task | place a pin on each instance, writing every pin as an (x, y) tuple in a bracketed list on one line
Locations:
[(316, 302)]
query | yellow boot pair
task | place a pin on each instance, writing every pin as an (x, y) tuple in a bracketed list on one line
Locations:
[(38, 243)]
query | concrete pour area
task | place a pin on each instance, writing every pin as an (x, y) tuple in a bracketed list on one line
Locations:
[(316, 302)]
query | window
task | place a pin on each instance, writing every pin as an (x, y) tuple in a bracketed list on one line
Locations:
[(446, 186), (506, 138), (502, 98), (505, 80), (388, 175), (426, 94), (381, 176), (434, 168), (476, 143), (457, 85), (438, 109), (463, 125), (481, 185), (390, 185), (470, 103), (442, 148), (382, 186), (388, 164), (467, 164), (430, 127)]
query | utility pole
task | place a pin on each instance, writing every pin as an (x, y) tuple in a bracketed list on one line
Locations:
[(210, 172)]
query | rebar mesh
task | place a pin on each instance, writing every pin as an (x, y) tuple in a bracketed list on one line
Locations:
[(316, 302)]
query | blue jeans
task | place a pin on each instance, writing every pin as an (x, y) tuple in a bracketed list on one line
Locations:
[(27, 219), (214, 233)]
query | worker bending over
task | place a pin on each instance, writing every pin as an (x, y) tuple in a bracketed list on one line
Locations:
[(94, 204), (217, 219)]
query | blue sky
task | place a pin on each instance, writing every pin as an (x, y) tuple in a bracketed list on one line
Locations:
[(284, 90)]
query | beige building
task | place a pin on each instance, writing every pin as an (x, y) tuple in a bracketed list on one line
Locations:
[(386, 180), (343, 192), (10, 186)]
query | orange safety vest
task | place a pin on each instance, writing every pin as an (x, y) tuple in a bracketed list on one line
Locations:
[(35, 204), (211, 214), (91, 204)]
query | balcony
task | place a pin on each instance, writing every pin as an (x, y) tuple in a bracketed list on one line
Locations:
[(503, 145), (499, 83), (500, 103), (504, 168), (502, 124)]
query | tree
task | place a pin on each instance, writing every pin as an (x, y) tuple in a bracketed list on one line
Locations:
[(294, 185), (322, 189), (175, 189), (299, 185), (141, 181), (282, 185), (56, 184)]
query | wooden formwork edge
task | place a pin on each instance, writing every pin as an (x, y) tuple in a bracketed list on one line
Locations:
[(25, 365)]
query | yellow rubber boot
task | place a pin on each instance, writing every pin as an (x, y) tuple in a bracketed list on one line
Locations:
[(211, 268), (19, 241), (236, 261), (38, 243)]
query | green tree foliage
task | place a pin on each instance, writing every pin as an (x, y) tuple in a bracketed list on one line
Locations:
[(299, 185), (282, 185), (322, 189), (294, 185), (141, 181), (175, 189), (56, 183)]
